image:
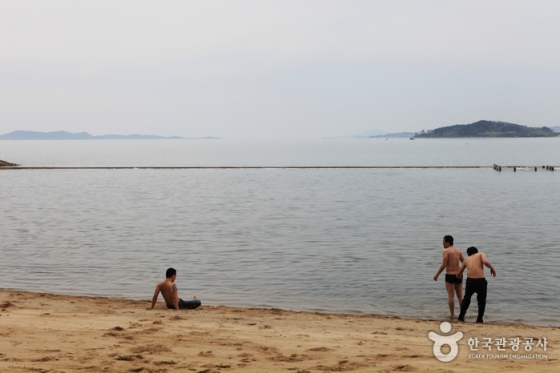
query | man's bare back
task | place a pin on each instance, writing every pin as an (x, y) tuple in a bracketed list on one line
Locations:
[(476, 283), (475, 266), (452, 257), (451, 262), (169, 292)]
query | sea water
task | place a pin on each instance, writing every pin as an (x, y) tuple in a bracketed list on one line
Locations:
[(330, 240)]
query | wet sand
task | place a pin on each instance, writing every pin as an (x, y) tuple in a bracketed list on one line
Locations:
[(58, 333)]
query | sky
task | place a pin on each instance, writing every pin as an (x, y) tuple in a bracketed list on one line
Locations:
[(276, 69)]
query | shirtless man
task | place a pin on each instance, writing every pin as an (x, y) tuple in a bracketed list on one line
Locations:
[(476, 283), (169, 291), (453, 282)]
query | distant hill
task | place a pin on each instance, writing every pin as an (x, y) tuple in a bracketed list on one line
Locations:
[(487, 128), (6, 164), (369, 133), (555, 128), (63, 135), (394, 135)]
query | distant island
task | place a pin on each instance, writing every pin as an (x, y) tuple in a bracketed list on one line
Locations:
[(398, 135), (63, 135), (6, 164), (487, 128), (555, 128)]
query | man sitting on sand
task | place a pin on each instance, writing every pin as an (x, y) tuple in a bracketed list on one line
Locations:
[(169, 291), (452, 257), (476, 283)]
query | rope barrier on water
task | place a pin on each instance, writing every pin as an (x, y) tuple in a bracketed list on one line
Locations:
[(495, 167), (526, 168)]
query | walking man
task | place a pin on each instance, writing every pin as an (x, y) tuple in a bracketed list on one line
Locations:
[(476, 283), (452, 259)]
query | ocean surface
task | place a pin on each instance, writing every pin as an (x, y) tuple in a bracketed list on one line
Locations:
[(317, 152), (330, 240)]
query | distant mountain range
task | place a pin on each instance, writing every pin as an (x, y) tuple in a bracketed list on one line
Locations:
[(369, 133), (63, 135), (555, 128), (394, 135), (487, 128)]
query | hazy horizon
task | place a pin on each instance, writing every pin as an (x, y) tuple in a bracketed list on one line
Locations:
[(279, 69)]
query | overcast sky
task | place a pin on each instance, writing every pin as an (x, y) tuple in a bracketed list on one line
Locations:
[(276, 69)]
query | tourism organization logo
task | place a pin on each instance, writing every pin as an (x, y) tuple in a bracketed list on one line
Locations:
[(497, 348), (442, 340), (487, 348)]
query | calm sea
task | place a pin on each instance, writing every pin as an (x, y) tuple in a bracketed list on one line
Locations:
[(332, 240)]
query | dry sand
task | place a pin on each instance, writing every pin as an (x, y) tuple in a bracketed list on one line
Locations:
[(57, 333)]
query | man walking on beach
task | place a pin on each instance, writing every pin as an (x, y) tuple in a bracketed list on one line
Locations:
[(169, 291), (452, 257), (476, 283)]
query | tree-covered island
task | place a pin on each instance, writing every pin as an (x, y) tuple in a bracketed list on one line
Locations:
[(487, 128)]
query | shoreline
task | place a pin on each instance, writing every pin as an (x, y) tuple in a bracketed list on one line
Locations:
[(61, 333), (310, 311)]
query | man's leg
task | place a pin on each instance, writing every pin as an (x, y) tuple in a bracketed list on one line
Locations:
[(459, 292), (189, 304), (469, 291), (481, 299), (450, 297)]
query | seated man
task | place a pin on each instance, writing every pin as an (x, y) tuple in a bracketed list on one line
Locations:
[(169, 291)]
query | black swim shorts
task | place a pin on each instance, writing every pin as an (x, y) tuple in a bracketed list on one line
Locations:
[(186, 304), (452, 279)]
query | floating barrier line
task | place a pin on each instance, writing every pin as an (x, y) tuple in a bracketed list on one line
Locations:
[(248, 167)]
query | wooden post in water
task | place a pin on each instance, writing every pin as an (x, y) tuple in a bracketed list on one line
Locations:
[(535, 168), (514, 169)]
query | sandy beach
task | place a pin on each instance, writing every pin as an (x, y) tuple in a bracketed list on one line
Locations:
[(58, 333)]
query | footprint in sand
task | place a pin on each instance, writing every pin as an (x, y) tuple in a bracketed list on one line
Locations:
[(165, 362), (320, 349), (129, 357), (150, 349), (405, 368), (7, 304), (44, 359)]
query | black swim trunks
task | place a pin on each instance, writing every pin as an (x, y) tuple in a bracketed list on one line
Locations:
[(452, 279)]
